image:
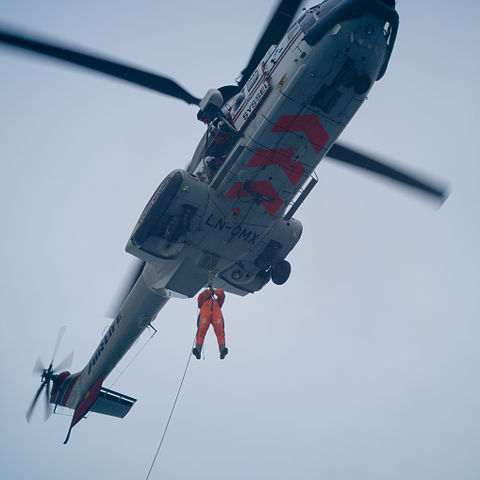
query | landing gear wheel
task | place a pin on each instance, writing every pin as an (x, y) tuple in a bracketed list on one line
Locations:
[(174, 228), (280, 272), (362, 84)]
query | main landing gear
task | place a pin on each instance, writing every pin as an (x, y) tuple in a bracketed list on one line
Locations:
[(280, 272)]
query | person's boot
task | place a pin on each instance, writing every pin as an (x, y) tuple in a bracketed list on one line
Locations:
[(197, 350), (223, 351)]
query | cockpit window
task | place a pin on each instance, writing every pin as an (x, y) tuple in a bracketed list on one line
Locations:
[(307, 21)]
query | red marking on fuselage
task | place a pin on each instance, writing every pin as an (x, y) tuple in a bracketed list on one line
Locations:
[(86, 403), (271, 201), (88, 400), (281, 157), (309, 124), (58, 386)]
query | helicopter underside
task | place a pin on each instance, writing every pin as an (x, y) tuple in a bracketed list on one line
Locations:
[(231, 227)]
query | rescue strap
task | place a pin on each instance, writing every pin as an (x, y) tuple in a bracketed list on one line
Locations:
[(171, 412)]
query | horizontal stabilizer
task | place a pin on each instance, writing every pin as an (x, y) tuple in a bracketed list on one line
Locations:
[(112, 403)]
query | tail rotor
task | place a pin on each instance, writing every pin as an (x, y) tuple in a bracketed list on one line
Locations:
[(48, 375)]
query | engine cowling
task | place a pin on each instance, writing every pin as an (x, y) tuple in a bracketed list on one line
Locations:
[(166, 218)]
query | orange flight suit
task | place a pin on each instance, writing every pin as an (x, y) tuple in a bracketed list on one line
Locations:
[(211, 313)]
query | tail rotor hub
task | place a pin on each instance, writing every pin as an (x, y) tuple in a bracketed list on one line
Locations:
[(48, 375)]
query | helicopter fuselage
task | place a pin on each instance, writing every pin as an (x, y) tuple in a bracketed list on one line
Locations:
[(230, 220), (227, 219)]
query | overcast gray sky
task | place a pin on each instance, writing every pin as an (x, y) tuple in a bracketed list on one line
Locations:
[(364, 365)]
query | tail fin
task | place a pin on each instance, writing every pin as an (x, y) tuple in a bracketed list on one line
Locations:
[(101, 400)]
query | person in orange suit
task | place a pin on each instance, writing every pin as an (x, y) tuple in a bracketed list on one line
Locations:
[(210, 302)]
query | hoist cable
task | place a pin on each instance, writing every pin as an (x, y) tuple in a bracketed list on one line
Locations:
[(171, 414)]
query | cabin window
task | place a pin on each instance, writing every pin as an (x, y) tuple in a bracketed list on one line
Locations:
[(252, 81), (293, 31), (307, 22)]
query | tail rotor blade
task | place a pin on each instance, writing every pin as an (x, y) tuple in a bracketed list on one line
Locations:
[(38, 367), (60, 334), (28, 415), (48, 408), (48, 375), (352, 157), (65, 363)]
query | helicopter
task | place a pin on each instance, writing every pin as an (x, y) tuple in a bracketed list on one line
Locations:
[(227, 219)]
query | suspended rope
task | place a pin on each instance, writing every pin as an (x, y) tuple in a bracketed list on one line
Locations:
[(171, 413)]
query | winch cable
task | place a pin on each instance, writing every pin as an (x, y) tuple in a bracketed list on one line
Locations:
[(171, 412)]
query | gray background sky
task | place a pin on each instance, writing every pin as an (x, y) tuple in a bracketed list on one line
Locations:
[(364, 365)]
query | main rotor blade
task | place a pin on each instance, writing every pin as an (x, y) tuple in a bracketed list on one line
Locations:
[(28, 415), (60, 334), (276, 29), (133, 275), (347, 155), (98, 64), (65, 363)]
